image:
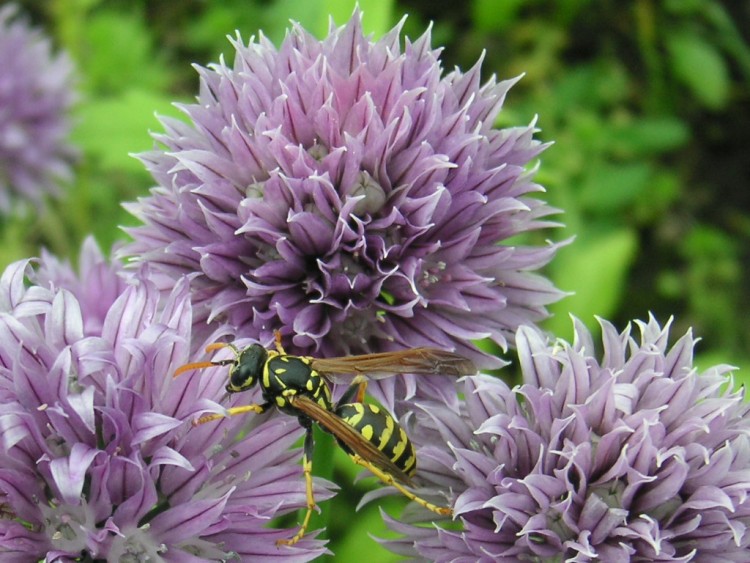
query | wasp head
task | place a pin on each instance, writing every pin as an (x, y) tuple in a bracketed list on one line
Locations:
[(247, 368)]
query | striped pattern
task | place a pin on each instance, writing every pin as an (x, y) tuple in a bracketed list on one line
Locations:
[(380, 429), (285, 376)]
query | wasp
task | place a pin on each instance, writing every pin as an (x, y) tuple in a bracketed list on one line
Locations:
[(299, 386)]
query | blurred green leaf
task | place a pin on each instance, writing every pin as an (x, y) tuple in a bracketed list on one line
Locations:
[(358, 545), (728, 32), (82, 4), (590, 86), (649, 135), (118, 53), (494, 15), (709, 243), (594, 268), (112, 128), (664, 190), (315, 15), (567, 10), (608, 187), (714, 279), (309, 14), (699, 65), (377, 14), (15, 240), (209, 30), (742, 380), (685, 7)]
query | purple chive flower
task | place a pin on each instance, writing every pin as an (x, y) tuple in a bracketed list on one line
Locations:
[(96, 286), (36, 94), (634, 457), (348, 194), (98, 460)]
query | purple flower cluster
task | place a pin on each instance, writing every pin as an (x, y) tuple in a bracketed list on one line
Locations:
[(634, 457), (98, 460), (36, 95), (347, 194)]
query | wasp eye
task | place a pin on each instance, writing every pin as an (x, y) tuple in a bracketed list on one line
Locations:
[(248, 369)]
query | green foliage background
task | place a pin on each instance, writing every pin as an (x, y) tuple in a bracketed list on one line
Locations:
[(647, 103)]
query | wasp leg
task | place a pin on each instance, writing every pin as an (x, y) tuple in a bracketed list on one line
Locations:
[(307, 470), (388, 479), (355, 391), (277, 341), (232, 411)]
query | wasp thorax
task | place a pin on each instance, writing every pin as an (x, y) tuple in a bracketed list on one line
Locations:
[(247, 369)]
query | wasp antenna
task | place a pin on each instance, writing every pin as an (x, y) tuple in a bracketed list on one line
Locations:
[(219, 345), (197, 365)]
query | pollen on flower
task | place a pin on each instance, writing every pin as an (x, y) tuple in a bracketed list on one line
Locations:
[(433, 274)]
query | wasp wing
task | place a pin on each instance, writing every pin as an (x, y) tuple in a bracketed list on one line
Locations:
[(424, 361), (348, 436)]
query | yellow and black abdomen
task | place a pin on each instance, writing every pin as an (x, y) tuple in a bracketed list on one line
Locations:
[(285, 376), (380, 429)]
